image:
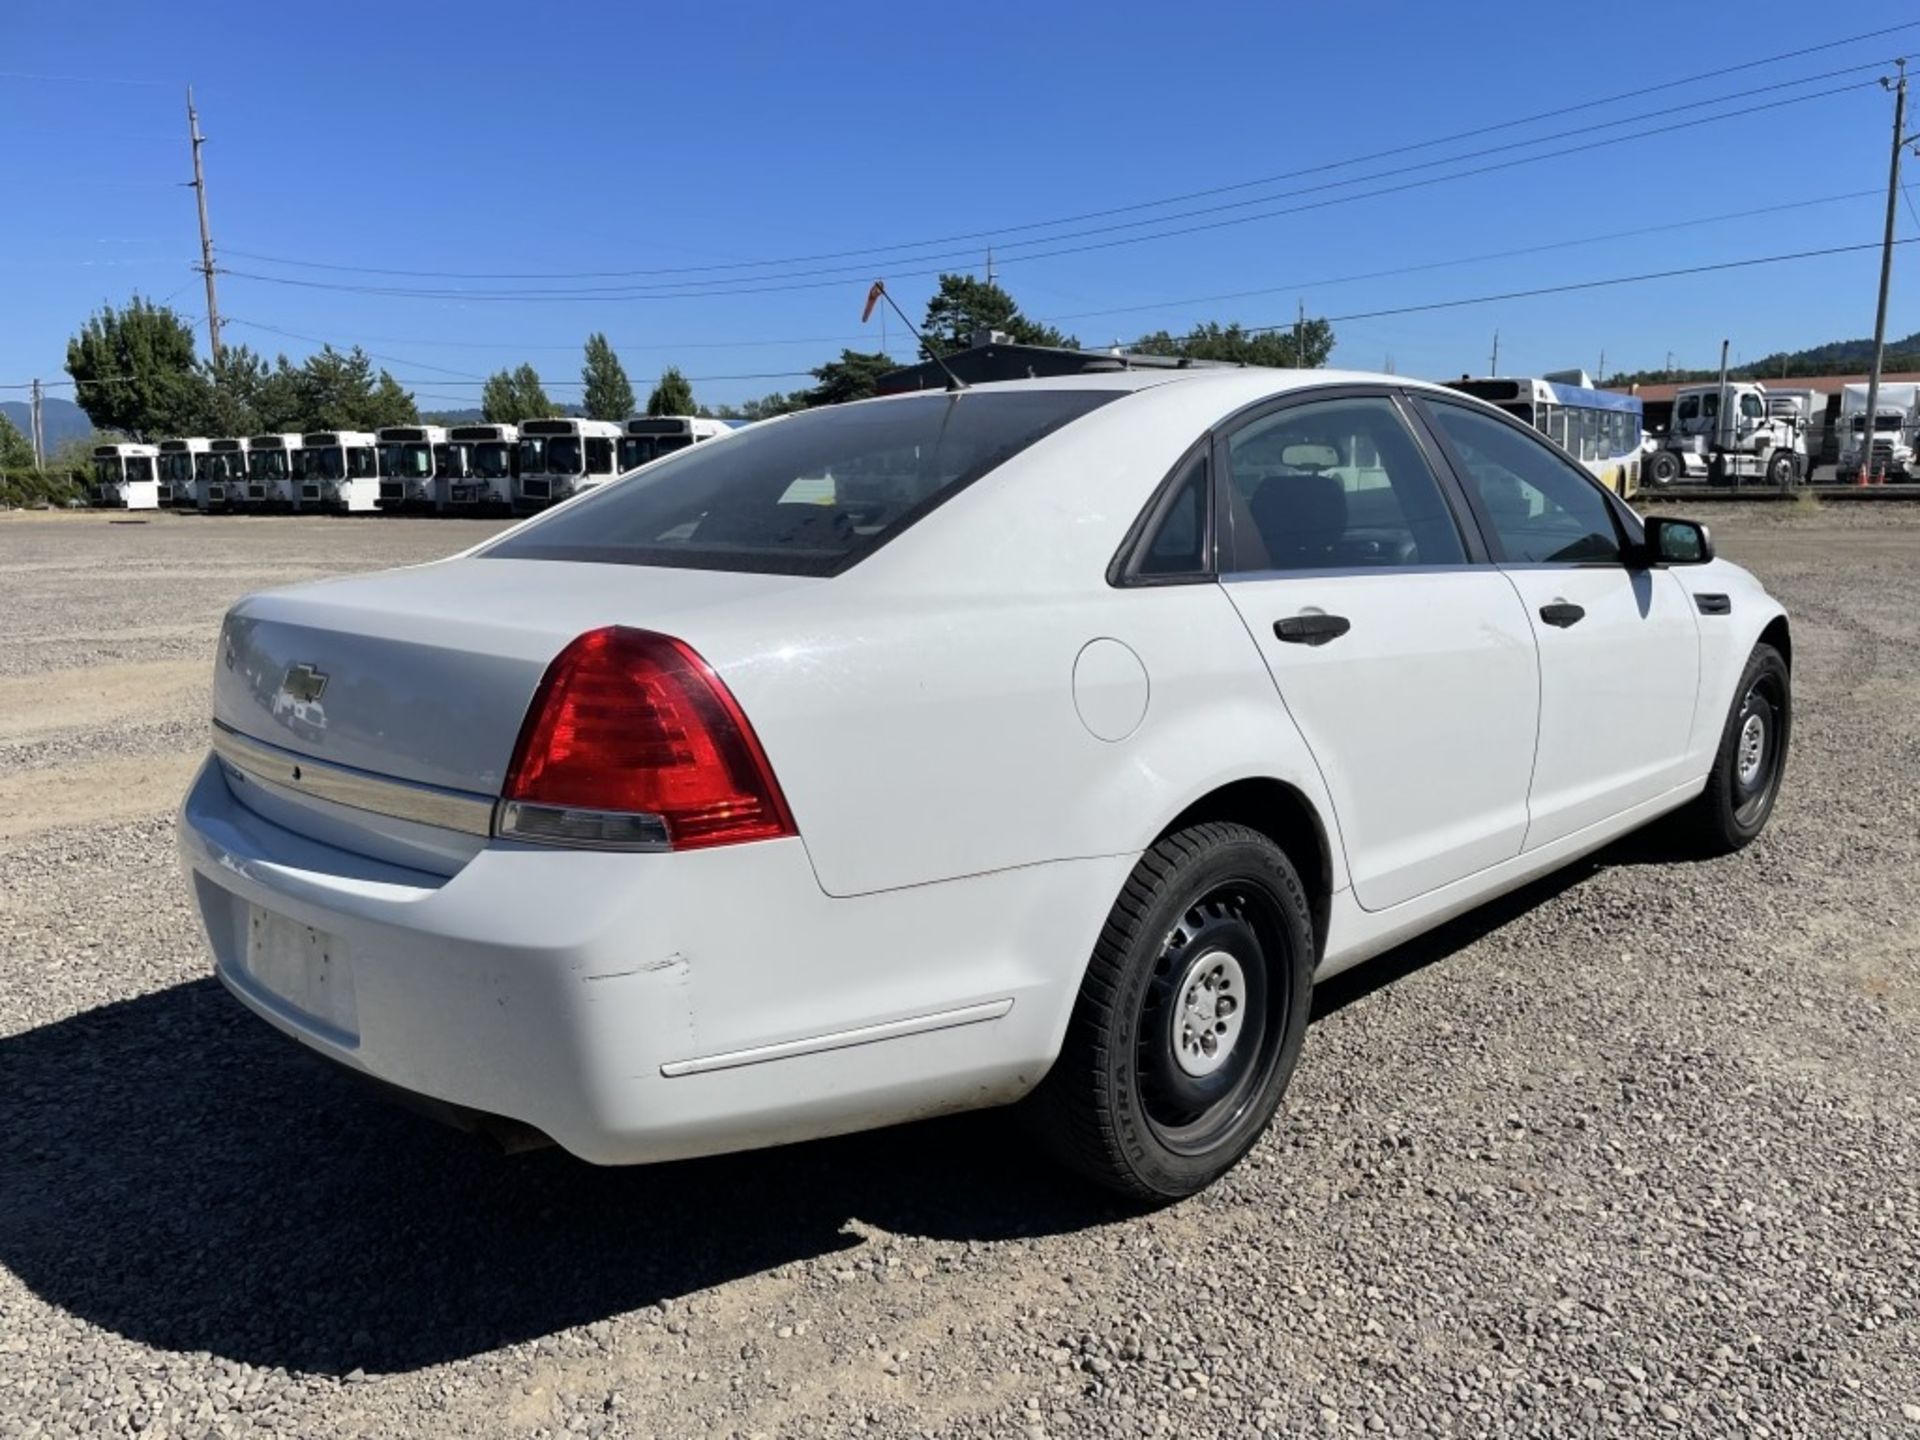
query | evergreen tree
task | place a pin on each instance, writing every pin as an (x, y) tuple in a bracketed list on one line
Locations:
[(672, 396), (854, 376), (1238, 345), (609, 394), (512, 396), (964, 305)]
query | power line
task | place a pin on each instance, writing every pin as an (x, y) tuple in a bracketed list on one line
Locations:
[(1589, 284), (788, 284), (1717, 218), (1002, 231)]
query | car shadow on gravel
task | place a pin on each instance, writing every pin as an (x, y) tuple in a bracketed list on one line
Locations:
[(176, 1172)]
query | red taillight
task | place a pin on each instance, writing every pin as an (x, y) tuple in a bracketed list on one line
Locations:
[(628, 722)]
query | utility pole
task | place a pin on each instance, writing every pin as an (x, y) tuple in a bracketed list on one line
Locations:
[(1493, 365), (989, 265), (38, 427), (206, 239), (1900, 142), (1600, 375), (1300, 335)]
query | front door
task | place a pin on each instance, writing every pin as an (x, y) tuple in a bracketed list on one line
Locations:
[(1619, 647), (1405, 660)]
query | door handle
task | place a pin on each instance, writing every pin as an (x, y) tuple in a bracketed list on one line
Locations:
[(1311, 629), (1562, 614)]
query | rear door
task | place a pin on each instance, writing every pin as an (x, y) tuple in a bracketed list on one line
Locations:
[(1402, 654), (1619, 646)]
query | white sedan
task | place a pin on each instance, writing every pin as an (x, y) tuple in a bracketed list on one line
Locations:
[(1043, 741)]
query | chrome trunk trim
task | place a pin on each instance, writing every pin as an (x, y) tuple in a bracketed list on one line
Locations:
[(297, 774)]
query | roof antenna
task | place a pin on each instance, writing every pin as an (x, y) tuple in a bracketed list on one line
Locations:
[(879, 293)]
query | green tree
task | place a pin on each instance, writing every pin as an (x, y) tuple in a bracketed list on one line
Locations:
[(134, 371), (338, 390), (672, 396), (231, 391), (16, 451), (609, 394), (512, 396), (964, 305), (854, 376), (1237, 345)]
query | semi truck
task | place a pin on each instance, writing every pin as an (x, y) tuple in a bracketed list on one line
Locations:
[(1728, 435), (1890, 454)]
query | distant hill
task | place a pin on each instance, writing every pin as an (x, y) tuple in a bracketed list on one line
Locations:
[(1836, 357), (64, 420), (452, 417)]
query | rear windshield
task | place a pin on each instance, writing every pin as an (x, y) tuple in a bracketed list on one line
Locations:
[(807, 495)]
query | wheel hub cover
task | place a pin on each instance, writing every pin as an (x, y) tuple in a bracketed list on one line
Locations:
[(1210, 1012)]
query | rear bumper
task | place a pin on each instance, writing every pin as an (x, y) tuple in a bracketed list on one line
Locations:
[(650, 1007)]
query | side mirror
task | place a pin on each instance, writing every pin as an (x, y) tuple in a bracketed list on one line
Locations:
[(1676, 542)]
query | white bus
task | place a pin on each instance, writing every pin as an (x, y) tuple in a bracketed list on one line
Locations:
[(181, 465), (481, 464), (407, 460), (1599, 428), (337, 470), (649, 437), (270, 466), (559, 458), (123, 476), (222, 483)]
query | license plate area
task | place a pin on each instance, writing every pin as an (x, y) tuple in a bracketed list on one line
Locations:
[(307, 970)]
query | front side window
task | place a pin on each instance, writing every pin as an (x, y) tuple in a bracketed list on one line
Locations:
[(1689, 408), (1332, 484), (1542, 509), (533, 455), (599, 456), (807, 495), (1751, 407)]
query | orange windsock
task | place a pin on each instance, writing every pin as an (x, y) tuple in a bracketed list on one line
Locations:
[(873, 299)]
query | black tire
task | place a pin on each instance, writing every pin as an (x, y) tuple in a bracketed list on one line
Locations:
[(1663, 468), (1740, 794), (1782, 470), (1203, 907)]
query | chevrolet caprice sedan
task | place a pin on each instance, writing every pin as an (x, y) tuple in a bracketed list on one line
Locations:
[(1038, 742)]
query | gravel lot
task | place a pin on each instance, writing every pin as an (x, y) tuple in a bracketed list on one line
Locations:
[(1632, 1152)]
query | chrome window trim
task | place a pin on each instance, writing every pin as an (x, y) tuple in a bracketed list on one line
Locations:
[(298, 774)]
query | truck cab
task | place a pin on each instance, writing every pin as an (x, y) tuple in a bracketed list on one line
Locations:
[(1727, 434)]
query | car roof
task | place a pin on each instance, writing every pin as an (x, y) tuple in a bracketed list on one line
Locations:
[(1232, 377)]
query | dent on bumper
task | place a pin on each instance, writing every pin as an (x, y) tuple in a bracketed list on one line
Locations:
[(644, 1007)]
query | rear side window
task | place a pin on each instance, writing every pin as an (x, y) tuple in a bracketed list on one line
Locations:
[(807, 495)]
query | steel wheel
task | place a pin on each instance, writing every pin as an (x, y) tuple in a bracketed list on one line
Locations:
[(1756, 749)]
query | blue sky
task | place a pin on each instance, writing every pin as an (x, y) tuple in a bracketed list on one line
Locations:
[(604, 137)]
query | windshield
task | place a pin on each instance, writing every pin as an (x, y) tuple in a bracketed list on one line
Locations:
[(563, 455), (533, 455), (415, 460), (493, 459), (326, 463), (176, 467), (1880, 422), (808, 495), (106, 471), (636, 450), (139, 467), (267, 464)]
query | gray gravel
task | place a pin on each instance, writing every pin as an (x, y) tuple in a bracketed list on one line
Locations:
[(1633, 1151)]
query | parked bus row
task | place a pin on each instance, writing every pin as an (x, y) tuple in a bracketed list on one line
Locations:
[(451, 469), (1602, 429)]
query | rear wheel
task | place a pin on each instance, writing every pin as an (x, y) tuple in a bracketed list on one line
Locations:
[(1190, 1018), (1747, 768)]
